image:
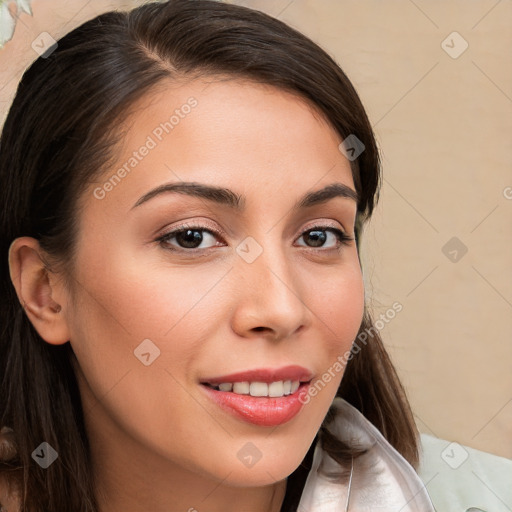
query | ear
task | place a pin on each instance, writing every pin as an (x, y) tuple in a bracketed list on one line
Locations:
[(39, 291)]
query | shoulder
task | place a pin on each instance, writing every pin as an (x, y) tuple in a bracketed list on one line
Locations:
[(10, 499)]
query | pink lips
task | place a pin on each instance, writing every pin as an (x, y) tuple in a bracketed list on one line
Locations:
[(261, 411), (267, 375)]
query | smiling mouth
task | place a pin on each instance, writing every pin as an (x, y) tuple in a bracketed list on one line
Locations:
[(276, 383), (274, 389), (265, 404)]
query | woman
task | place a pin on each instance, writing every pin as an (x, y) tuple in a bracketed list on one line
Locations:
[(185, 188)]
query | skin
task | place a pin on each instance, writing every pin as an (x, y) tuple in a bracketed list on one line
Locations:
[(158, 442)]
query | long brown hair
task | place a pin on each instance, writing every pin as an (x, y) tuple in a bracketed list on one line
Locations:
[(60, 134)]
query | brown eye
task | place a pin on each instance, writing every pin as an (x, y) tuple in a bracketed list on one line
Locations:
[(189, 237), (318, 236)]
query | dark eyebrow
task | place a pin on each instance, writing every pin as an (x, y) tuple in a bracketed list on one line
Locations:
[(324, 194), (229, 198)]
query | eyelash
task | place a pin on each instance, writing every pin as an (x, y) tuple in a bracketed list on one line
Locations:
[(343, 238)]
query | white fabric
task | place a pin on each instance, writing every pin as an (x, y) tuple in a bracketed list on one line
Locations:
[(460, 478), (382, 479), (7, 21)]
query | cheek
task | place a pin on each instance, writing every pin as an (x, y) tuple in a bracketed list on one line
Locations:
[(143, 327), (338, 306), (137, 333)]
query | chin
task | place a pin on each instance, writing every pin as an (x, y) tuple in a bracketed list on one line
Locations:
[(267, 469), (260, 474)]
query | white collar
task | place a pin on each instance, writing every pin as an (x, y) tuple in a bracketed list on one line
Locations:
[(382, 479)]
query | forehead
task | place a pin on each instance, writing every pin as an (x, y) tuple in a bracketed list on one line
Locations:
[(228, 132)]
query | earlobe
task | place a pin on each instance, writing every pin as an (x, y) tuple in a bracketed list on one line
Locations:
[(35, 291)]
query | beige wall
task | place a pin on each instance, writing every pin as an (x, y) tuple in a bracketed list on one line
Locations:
[(444, 126)]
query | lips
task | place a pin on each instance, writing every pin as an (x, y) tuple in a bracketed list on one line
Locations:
[(267, 375), (260, 411), (264, 409)]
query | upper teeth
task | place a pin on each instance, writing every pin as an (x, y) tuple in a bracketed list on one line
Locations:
[(274, 389)]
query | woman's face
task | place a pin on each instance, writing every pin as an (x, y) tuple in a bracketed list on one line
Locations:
[(260, 283)]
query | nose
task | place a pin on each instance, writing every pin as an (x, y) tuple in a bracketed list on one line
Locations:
[(269, 296)]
